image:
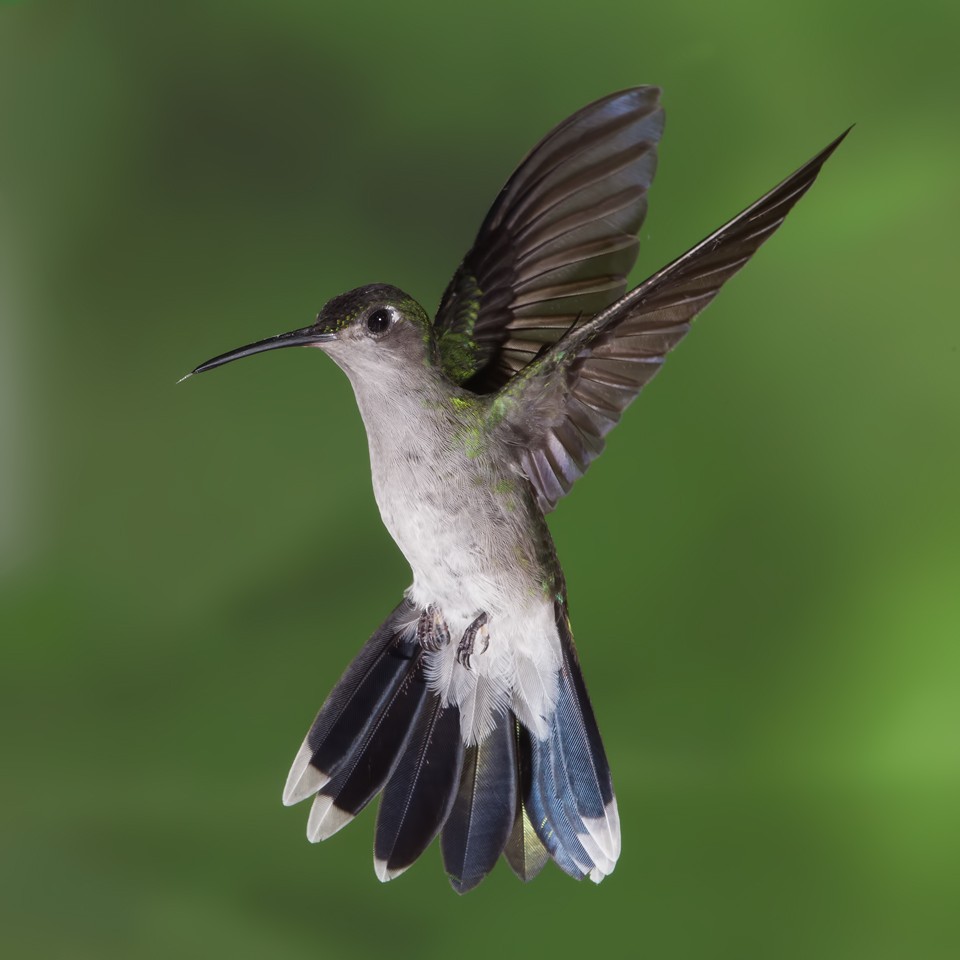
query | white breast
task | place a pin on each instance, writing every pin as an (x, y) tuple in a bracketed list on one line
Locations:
[(464, 543)]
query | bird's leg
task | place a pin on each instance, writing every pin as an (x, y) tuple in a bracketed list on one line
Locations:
[(432, 630), (477, 630)]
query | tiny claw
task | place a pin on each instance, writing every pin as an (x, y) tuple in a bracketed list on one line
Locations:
[(465, 648), (432, 630)]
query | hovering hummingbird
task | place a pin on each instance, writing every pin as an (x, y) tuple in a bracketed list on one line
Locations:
[(467, 708)]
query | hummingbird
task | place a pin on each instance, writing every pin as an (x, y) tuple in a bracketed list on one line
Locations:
[(467, 710)]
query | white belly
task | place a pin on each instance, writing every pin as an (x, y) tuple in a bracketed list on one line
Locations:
[(464, 544)]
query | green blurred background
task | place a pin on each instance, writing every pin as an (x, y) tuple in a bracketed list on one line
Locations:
[(764, 568)]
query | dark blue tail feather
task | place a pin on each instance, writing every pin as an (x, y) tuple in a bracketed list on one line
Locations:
[(484, 811)]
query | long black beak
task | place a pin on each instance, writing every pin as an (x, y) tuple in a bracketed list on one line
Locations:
[(304, 337)]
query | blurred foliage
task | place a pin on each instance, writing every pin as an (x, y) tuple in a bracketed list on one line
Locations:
[(763, 568)]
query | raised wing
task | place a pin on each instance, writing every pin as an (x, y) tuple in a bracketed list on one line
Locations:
[(557, 244), (563, 404)]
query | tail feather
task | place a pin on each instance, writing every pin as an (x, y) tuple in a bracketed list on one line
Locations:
[(571, 798), (354, 705), (372, 762), (529, 794), (524, 851), (483, 813), (420, 793), (588, 773), (550, 811)]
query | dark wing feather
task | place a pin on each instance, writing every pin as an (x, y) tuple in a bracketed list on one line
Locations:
[(557, 244), (561, 407), (483, 813)]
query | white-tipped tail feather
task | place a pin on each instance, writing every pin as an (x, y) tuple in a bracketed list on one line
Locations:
[(304, 779), (325, 818)]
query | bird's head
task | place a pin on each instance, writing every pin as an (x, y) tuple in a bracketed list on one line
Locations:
[(372, 331)]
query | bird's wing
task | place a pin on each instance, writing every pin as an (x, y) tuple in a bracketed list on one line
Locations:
[(560, 407), (557, 244)]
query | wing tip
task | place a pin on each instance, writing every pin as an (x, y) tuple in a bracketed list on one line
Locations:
[(821, 158), (650, 92)]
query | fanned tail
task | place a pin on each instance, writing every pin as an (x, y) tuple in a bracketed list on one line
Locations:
[(383, 729)]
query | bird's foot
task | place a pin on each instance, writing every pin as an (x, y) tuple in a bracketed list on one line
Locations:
[(432, 630), (477, 631)]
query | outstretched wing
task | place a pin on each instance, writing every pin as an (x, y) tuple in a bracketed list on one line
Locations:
[(557, 244), (563, 404)]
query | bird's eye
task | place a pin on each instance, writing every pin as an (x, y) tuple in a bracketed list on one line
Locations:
[(378, 321)]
